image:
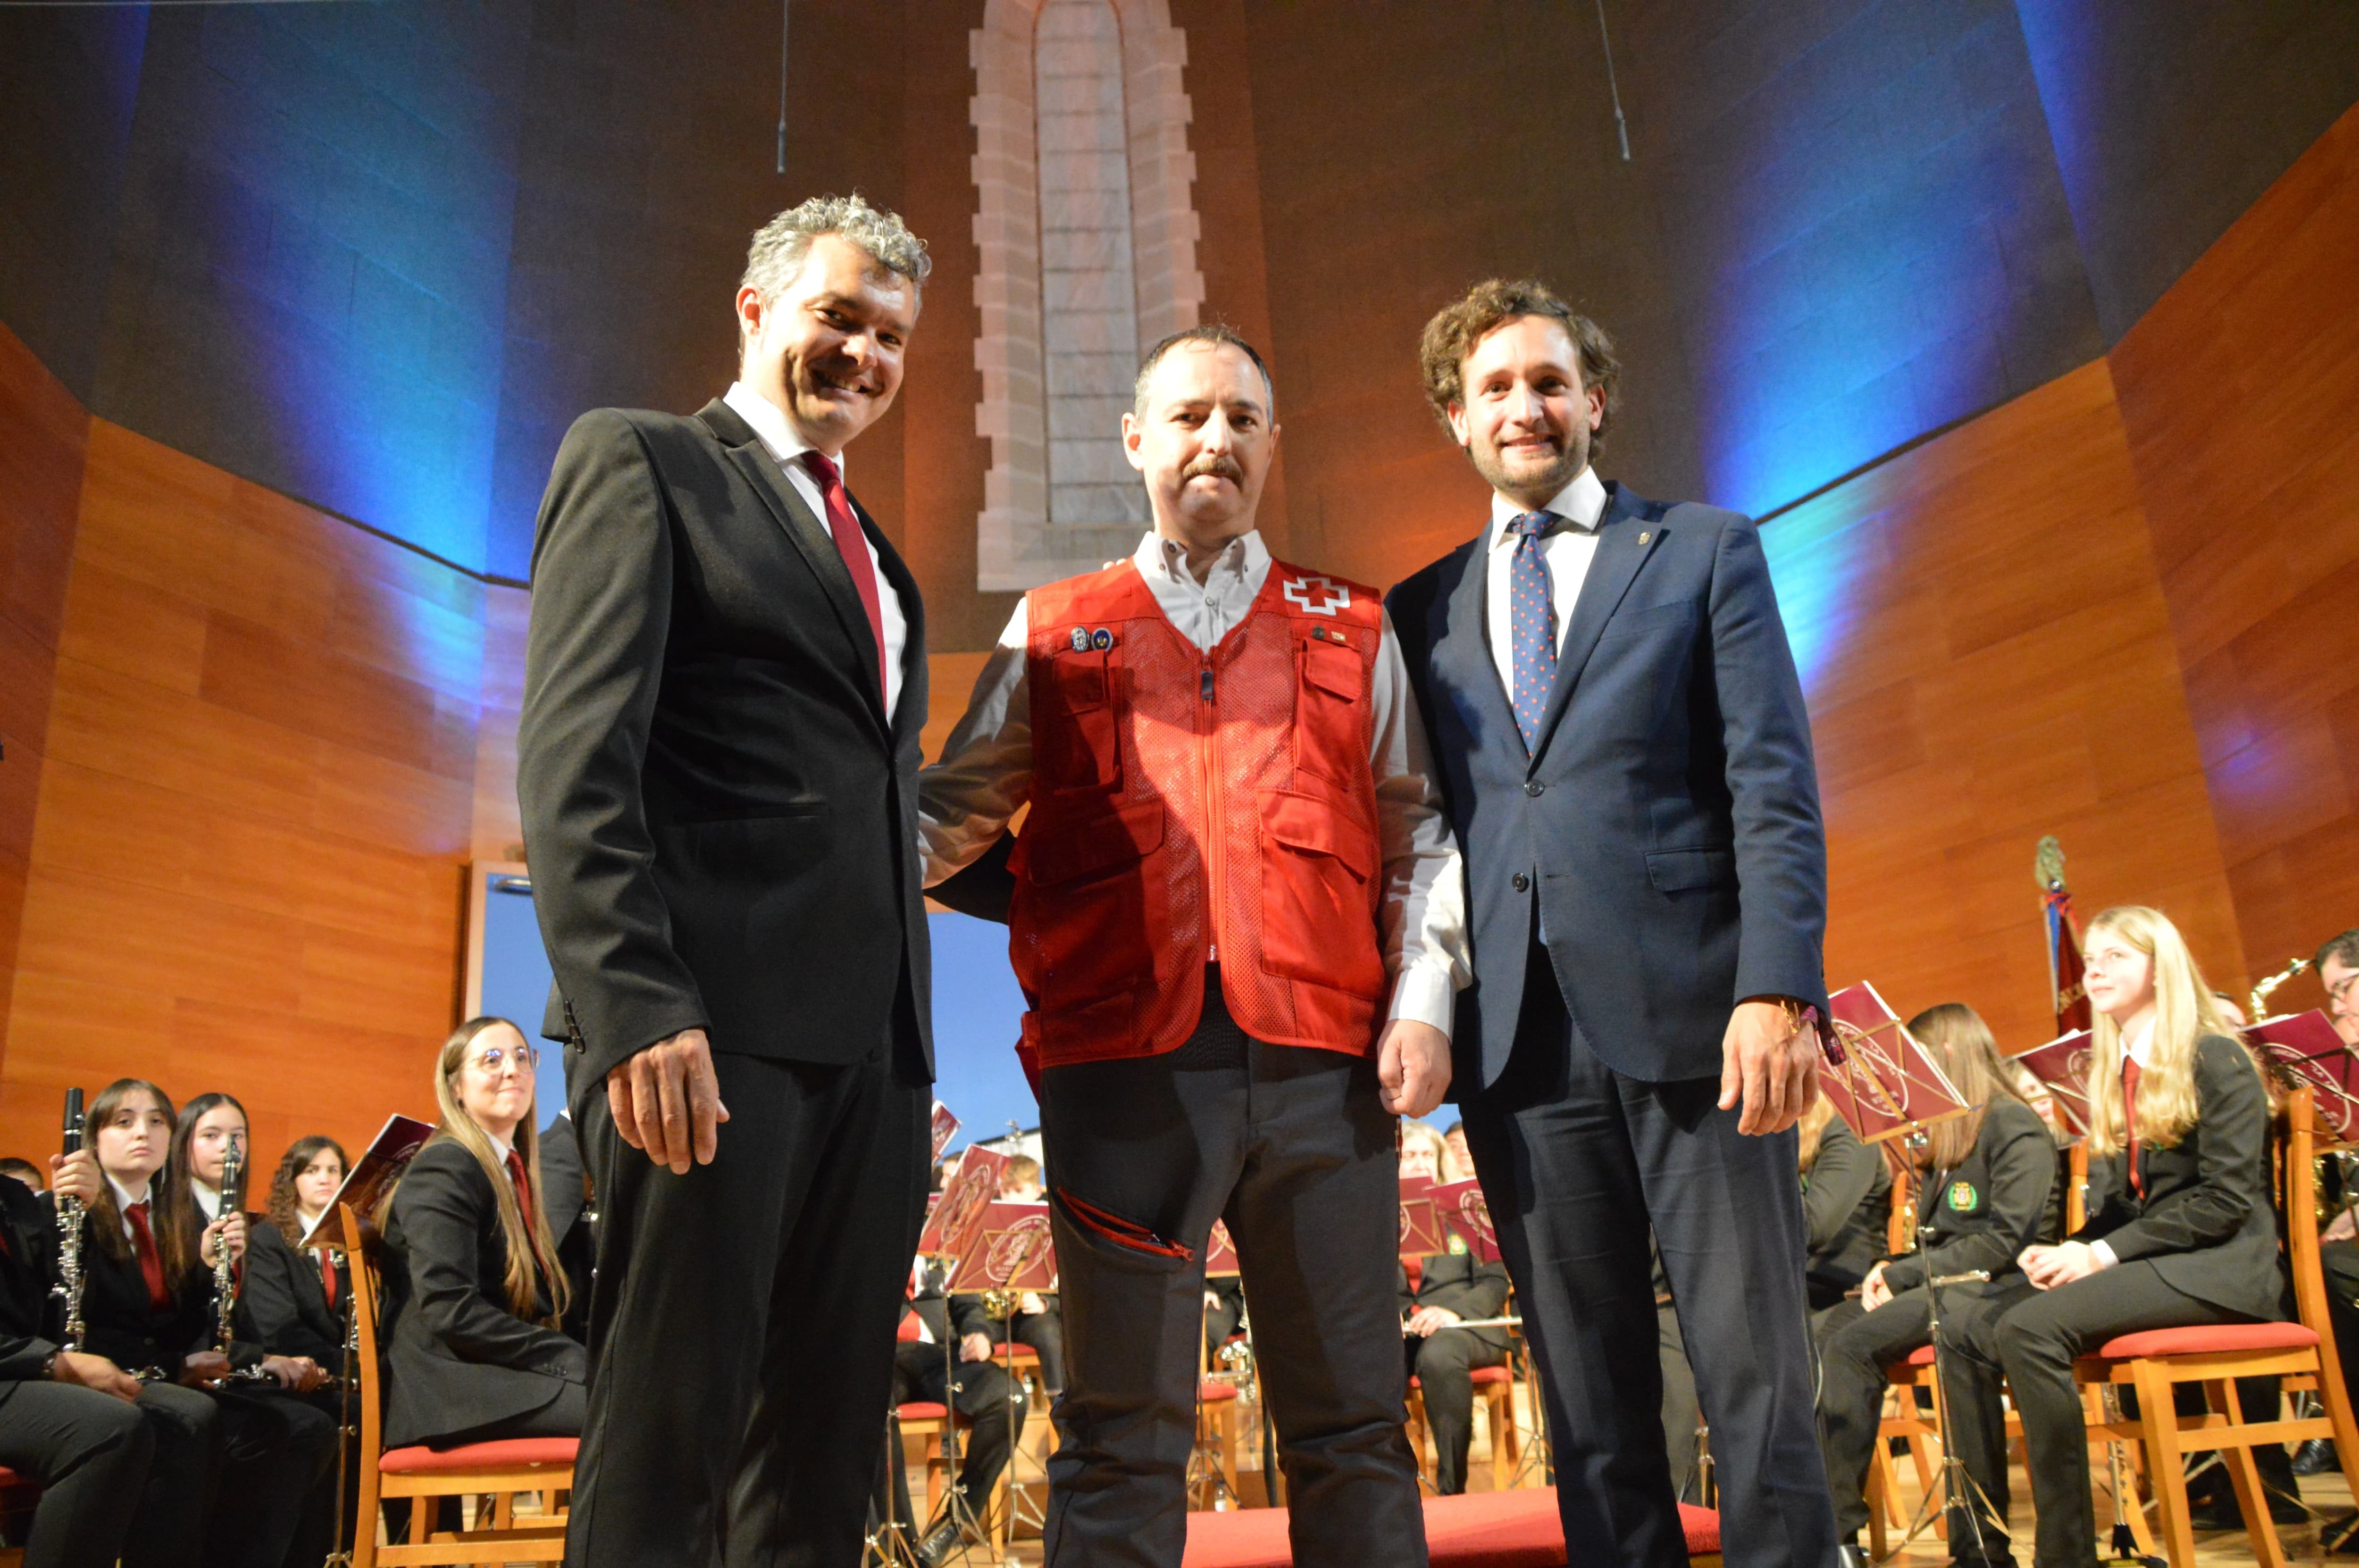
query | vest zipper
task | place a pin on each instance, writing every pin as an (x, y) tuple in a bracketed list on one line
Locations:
[(1215, 872)]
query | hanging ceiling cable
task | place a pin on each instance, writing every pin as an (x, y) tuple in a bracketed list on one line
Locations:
[(1621, 127), (784, 6)]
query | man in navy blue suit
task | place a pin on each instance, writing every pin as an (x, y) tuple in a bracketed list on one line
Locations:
[(1622, 742)]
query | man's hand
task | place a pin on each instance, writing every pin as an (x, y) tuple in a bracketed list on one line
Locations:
[(93, 1372), (1873, 1292), (2345, 1228), (75, 1175), (2049, 1266), (1427, 1321), (1772, 1064), (666, 1101), (975, 1348), (1412, 1066)]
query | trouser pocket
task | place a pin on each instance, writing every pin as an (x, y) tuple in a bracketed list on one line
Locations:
[(1124, 1233)]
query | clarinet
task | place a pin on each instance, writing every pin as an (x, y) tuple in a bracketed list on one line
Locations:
[(232, 1201), (68, 1289)]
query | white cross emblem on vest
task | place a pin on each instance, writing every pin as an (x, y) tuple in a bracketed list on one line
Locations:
[(1332, 596)]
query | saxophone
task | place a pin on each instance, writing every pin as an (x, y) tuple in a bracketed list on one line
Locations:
[(68, 1289), (2259, 1001)]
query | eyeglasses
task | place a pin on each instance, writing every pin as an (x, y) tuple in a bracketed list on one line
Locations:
[(495, 1058), (2341, 989)]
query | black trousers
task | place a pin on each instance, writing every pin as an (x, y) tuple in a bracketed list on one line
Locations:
[(1294, 1149), (182, 1477), (740, 1328), (90, 1452), (1854, 1347), (1682, 1416), (1577, 1162), (2033, 1337), (1443, 1364), (275, 1446), (2339, 1262), (1044, 1331), (982, 1392)]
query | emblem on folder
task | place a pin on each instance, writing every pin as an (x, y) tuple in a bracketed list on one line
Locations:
[(1331, 596)]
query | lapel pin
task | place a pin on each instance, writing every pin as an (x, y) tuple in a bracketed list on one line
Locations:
[(1101, 639), (1081, 640), (1644, 537)]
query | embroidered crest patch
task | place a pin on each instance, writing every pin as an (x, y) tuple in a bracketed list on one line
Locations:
[(1963, 1196)]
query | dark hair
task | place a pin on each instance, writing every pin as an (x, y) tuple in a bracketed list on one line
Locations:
[(12, 1166), (178, 1252), (1218, 334), (1464, 322), (2342, 949), (282, 1210), (176, 1203)]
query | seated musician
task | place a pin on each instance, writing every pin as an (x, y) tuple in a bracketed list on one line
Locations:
[(472, 1288), (2182, 1229), (1988, 1180), (1224, 1310), (2338, 1249), (1846, 1199), (1447, 1287), (149, 1277), (1457, 1163), (1036, 1321), (67, 1420), (945, 1359), (296, 1300)]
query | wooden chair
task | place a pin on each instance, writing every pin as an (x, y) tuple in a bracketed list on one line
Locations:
[(925, 1421), (542, 1466), (2156, 1361)]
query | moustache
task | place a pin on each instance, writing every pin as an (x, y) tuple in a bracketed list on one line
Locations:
[(1223, 467)]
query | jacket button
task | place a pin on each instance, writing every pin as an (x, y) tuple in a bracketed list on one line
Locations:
[(1533, 786), (1522, 884)]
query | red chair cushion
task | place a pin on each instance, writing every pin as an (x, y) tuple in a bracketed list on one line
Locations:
[(1476, 1530), (1213, 1393), (508, 1452), (2206, 1339), (1491, 1375), (1921, 1356), (1019, 1354)]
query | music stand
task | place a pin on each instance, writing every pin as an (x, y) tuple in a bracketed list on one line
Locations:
[(2062, 1068), (951, 1228), (1008, 1249), (1886, 1086)]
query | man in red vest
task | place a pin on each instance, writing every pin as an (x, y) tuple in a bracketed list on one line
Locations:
[(1238, 917)]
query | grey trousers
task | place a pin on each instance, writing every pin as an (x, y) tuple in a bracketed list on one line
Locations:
[(1293, 1148)]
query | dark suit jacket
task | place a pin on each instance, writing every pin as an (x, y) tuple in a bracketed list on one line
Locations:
[(1846, 1200), (124, 1328), (283, 1304), (1665, 832), (2206, 1218), (565, 1194), (1456, 1281), (457, 1358), (1986, 1211), (721, 821), (29, 1318)]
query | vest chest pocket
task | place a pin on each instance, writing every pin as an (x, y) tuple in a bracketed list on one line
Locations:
[(1331, 710), (1086, 894), (1079, 744)]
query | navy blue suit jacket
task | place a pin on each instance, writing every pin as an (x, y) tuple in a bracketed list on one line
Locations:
[(1664, 829)]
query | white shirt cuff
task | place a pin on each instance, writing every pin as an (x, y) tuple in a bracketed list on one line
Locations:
[(1425, 996), (2102, 1254)]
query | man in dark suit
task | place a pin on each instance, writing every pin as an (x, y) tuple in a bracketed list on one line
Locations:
[(1452, 1288), (1626, 760), (723, 688)]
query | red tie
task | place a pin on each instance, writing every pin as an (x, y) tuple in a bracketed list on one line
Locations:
[(523, 1183), (2129, 1119), (328, 1274), (143, 1240), (853, 546)]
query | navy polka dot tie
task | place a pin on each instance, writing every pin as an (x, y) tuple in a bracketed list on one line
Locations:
[(1531, 620)]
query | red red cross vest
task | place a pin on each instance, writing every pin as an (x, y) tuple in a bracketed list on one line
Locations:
[(1189, 806)]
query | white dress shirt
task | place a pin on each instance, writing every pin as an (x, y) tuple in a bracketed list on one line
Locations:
[(778, 438), (1568, 551), (208, 1199), (985, 774)]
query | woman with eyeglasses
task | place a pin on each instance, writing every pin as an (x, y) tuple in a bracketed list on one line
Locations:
[(240, 1456), (2182, 1231), (473, 1289)]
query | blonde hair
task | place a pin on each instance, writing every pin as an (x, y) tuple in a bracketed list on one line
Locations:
[(1955, 1036), (1417, 1133), (1811, 1128), (2183, 1013), (532, 1251)]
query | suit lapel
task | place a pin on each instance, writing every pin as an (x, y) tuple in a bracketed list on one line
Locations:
[(809, 535), (1466, 646), (1622, 547), (910, 714)]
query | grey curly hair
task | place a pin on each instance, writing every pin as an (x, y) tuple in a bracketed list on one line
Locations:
[(780, 245)]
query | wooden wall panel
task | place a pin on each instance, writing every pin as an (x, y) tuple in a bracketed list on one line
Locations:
[(2238, 389), (42, 431), (264, 741), (1990, 660)]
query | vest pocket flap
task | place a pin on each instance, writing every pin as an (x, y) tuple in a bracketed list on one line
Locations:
[(1318, 826), (1336, 669), (1080, 680), (1120, 838), (1678, 870)]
